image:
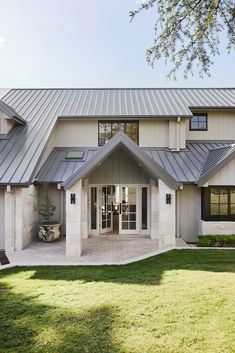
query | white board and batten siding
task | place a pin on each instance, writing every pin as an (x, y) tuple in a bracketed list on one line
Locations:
[(119, 168), (221, 127), (226, 176), (189, 212), (2, 220)]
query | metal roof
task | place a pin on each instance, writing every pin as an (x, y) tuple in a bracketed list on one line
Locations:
[(11, 113), (20, 154), (185, 166), (216, 159), (4, 91)]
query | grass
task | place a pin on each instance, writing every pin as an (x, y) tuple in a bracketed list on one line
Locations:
[(181, 301)]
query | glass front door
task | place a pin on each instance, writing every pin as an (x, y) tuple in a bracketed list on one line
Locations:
[(106, 209), (120, 209), (128, 210)]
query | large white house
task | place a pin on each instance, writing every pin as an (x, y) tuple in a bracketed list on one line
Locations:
[(156, 162)]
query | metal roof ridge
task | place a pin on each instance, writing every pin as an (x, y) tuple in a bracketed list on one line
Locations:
[(123, 88)]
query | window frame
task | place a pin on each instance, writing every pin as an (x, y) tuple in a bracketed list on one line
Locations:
[(198, 115), (206, 204), (125, 122)]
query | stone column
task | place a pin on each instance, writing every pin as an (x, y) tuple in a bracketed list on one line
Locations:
[(84, 213), (154, 209), (166, 215), (74, 221), (9, 221)]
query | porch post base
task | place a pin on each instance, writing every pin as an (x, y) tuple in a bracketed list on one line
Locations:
[(73, 246)]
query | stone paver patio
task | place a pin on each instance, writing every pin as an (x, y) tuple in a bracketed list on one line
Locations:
[(108, 249)]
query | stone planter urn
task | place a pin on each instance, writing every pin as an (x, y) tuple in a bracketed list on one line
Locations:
[(49, 231)]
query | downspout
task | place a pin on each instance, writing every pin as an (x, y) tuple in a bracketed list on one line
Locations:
[(178, 133)]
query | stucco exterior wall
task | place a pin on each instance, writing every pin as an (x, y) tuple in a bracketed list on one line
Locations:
[(188, 212), (214, 228), (9, 221), (74, 221), (177, 134), (26, 216), (21, 217), (221, 126), (153, 133), (82, 133), (166, 215), (162, 133)]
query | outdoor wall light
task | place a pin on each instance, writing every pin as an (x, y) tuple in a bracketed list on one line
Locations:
[(168, 199), (72, 199)]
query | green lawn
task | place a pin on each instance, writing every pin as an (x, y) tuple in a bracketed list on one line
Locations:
[(181, 301)]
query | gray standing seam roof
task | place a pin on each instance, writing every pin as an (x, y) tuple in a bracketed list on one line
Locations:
[(185, 166), (11, 113), (21, 153)]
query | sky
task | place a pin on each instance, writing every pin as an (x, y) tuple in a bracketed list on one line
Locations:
[(81, 43)]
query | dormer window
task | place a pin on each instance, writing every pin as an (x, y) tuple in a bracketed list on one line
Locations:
[(107, 129), (198, 122)]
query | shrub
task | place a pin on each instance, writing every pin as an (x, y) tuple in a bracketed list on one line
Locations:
[(227, 241)]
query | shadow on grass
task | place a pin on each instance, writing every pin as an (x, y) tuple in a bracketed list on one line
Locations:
[(145, 272), (28, 326)]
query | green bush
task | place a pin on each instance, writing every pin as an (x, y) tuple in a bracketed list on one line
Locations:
[(227, 241)]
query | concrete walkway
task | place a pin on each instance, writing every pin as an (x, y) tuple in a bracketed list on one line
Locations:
[(96, 251)]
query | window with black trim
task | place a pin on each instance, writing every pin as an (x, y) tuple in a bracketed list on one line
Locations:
[(198, 122), (218, 203), (107, 129)]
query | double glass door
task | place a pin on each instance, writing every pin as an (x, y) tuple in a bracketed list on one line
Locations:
[(121, 209), (121, 200)]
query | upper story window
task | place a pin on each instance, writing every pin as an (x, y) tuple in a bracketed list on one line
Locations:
[(219, 203), (198, 122), (107, 129)]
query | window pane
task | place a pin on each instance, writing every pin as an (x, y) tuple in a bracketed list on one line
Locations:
[(223, 196), (132, 216), (198, 122), (129, 128), (115, 128), (194, 125), (215, 195), (104, 132), (132, 225), (144, 208), (124, 225), (202, 125), (122, 127), (232, 209), (214, 209), (223, 209), (232, 195), (108, 129), (93, 208)]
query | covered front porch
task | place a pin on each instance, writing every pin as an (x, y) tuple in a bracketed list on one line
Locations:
[(119, 190)]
